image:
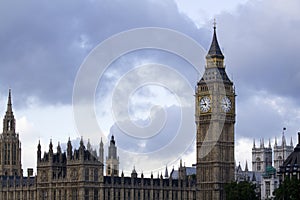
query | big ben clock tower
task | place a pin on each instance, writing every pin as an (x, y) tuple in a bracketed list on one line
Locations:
[(215, 118)]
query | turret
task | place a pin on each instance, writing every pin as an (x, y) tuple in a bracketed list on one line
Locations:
[(10, 153), (283, 141), (101, 152), (112, 161), (246, 166), (166, 172), (88, 145), (50, 148), (58, 148), (133, 173), (39, 152), (69, 150)]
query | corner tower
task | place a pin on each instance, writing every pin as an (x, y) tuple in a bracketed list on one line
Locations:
[(10, 146), (112, 161), (215, 119)]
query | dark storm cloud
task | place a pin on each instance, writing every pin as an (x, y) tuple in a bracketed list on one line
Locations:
[(44, 43), (261, 46)]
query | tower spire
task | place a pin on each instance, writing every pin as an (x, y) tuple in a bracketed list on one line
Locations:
[(215, 50), (9, 119), (9, 105), (246, 166)]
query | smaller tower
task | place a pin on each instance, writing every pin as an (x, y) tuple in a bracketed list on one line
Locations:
[(112, 161), (69, 149), (39, 152), (101, 152), (261, 157), (281, 152), (10, 146)]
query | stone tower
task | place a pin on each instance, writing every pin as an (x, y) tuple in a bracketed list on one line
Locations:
[(215, 119), (112, 161), (10, 146), (281, 152), (261, 157)]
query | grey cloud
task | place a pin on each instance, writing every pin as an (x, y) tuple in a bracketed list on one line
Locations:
[(44, 43), (261, 46), (175, 139)]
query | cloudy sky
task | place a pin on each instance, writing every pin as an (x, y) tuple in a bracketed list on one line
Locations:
[(44, 46)]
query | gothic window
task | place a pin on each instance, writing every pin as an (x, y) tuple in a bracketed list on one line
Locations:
[(95, 174), (86, 194), (115, 170), (14, 155), (258, 164), (74, 194), (8, 125), (268, 193), (44, 195), (108, 170), (95, 194), (86, 174), (8, 154)]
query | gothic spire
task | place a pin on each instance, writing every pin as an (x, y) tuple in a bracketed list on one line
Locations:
[(9, 105), (246, 167), (9, 119), (166, 172), (283, 138), (215, 50), (112, 140)]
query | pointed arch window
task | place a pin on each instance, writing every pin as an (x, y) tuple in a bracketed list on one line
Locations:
[(14, 154), (258, 164)]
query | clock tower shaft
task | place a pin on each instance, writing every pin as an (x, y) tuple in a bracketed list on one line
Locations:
[(215, 127)]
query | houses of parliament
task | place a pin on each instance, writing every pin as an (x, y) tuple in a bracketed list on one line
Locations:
[(79, 174)]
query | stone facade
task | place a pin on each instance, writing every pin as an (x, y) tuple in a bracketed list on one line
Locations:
[(78, 174), (215, 119), (261, 157)]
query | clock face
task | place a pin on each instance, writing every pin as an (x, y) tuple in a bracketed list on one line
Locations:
[(205, 104), (226, 104)]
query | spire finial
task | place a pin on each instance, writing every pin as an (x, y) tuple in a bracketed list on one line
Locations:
[(215, 50), (283, 137), (215, 24)]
